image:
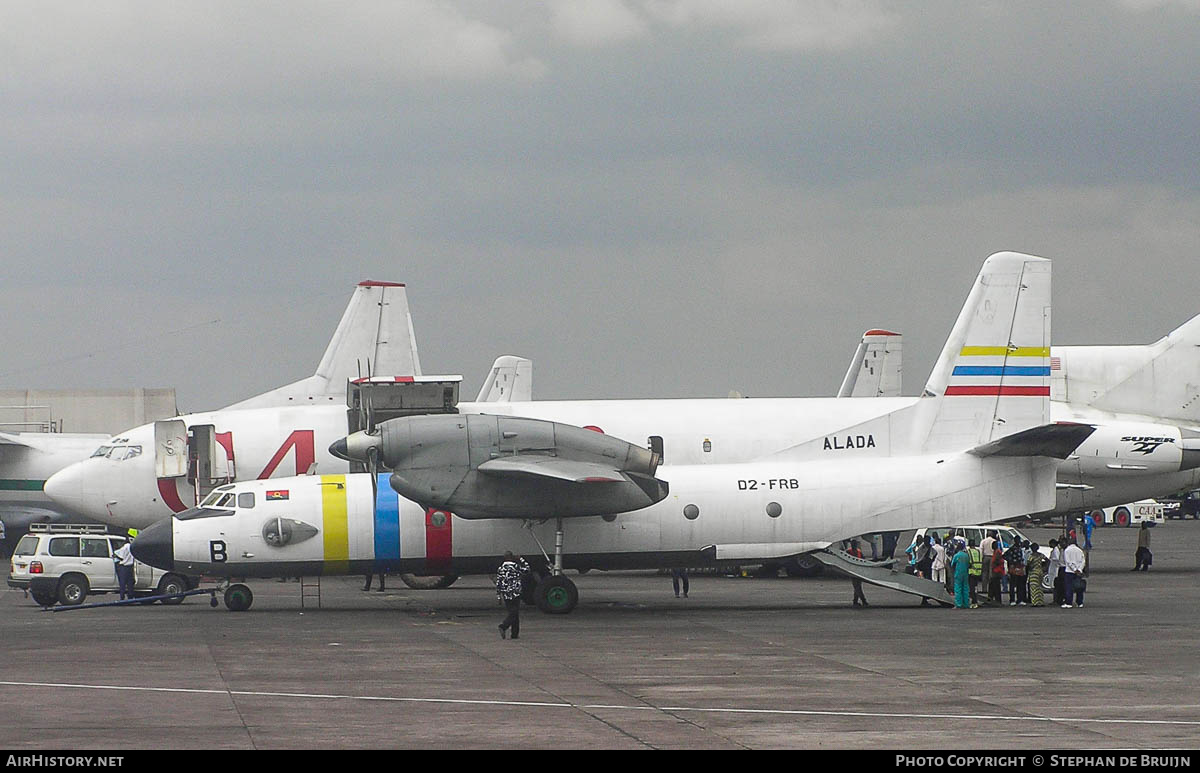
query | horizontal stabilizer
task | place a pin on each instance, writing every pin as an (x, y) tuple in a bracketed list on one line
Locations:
[(552, 468), (1056, 441)]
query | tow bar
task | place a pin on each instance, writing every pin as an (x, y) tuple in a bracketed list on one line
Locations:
[(143, 600)]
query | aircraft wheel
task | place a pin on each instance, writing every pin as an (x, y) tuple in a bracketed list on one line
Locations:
[(44, 598), (1121, 517), (172, 583), (238, 598), (430, 582), (72, 590), (557, 595)]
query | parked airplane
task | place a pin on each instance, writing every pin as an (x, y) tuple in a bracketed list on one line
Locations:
[(978, 447), (27, 459), (167, 466)]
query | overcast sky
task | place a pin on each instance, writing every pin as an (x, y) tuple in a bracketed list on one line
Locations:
[(649, 198)]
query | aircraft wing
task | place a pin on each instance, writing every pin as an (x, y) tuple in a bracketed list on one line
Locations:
[(8, 439), (1056, 441), (551, 468)]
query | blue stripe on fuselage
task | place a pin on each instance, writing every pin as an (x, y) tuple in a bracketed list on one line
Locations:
[(387, 521)]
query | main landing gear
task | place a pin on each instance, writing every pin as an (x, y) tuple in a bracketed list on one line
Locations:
[(554, 594)]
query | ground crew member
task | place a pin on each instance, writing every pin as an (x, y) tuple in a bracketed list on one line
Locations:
[(975, 555), (123, 558), (859, 598), (1142, 557), (509, 584)]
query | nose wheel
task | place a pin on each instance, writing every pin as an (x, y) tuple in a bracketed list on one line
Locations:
[(238, 598), (554, 594)]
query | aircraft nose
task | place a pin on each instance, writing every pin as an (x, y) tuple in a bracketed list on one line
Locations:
[(65, 488), (155, 545)]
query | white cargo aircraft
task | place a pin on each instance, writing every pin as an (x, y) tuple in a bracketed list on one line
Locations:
[(744, 480)]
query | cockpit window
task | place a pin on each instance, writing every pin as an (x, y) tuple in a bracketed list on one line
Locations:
[(203, 512), (219, 499), (118, 453), (246, 500)]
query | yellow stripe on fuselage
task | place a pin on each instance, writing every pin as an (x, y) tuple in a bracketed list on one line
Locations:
[(1004, 351), (337, 530)]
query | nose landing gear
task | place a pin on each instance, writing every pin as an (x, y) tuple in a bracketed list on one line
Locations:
[(555, 594)]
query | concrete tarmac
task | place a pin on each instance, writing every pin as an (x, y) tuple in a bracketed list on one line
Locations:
[(742, 663)]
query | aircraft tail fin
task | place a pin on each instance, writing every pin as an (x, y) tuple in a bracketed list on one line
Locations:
[(1161, 379), (993, 376), (510, 381), (374, 337), (875, 369)]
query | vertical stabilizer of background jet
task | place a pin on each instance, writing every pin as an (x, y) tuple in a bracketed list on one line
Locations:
[(375, 337), (510, 381), (1161, 379), (993, 376), (875, 368)]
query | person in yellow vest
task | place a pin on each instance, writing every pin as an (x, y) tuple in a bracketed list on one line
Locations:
[(975, 571)]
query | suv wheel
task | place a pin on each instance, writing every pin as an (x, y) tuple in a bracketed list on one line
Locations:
[(172, 583), (72, 589)]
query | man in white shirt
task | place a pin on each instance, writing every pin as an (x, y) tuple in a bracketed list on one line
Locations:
[(123, 558), (1073, 578)]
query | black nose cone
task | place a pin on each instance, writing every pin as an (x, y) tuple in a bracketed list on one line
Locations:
[(155, 545), (339, 450)]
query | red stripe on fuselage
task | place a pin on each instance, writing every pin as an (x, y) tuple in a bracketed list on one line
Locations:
[(439, 540), (170, 494), (1013, 391)]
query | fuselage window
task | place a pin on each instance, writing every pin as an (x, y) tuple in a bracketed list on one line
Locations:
[(246, 499)]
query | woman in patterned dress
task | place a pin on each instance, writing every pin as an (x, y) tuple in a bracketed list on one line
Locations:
[(1035, 570)]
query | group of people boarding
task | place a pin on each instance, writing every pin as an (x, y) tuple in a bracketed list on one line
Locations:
[(964, 566)]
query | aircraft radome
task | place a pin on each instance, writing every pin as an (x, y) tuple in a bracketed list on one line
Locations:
[(772, 479)]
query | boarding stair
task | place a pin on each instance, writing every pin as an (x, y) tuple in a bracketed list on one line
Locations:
[(884, 574)]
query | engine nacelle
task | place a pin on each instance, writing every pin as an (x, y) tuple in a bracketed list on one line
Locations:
[(1132, 448), (480, 466)]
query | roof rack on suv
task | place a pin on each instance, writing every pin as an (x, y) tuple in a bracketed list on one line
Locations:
[(69, 528)]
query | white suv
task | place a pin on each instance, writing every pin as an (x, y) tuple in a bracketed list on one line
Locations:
[(66, 562)]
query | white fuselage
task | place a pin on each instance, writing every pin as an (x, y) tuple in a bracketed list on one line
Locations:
[(715, 513)]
